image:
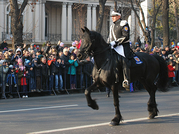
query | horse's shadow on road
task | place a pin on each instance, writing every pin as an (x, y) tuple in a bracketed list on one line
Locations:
[(158, 120)]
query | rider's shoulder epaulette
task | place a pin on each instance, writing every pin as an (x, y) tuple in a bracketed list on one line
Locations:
[(123, 23)]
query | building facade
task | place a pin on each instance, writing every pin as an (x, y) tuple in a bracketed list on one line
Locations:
[(55, 20)]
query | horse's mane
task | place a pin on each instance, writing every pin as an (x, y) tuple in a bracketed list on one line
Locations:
[(97, 35)]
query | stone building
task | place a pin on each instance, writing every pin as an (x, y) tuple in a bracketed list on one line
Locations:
[(55, 20)]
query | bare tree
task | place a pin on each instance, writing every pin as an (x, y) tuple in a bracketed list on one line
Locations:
[(165, 22), (115, 5), (16, 20), (141, 20), (156, 5), (101, 15), (175, 6)]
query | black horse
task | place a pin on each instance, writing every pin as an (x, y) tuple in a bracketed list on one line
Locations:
[(152, 73)]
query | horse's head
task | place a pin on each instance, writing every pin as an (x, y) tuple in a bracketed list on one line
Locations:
[(87, 44)]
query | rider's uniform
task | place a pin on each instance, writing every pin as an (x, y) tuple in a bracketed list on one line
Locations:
[(119, 32), (119, 40)]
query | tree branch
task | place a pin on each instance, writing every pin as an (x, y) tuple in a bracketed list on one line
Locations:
[(23, 6), (138, 18)]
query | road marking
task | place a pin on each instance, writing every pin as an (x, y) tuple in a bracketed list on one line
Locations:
[(39, 108), (97, 125)]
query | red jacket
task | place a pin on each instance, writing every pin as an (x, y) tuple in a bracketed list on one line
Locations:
[(170, 71)]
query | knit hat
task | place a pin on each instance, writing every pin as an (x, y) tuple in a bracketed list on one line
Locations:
[(10, 50), (32, 44), (169, 55), (61, 44), (19, 60), (11, 66), (27, 61), (73, 43)]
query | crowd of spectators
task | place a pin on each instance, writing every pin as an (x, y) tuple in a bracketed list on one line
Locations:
[(55, 67), (52, 68)]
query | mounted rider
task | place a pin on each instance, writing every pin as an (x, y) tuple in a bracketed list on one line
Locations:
[(119, 41)]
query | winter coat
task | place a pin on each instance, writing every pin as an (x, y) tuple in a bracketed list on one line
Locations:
[(24, 58), (60, 67), (3, 45), (44, 70), (176, 63), (23, 79), (31, 73), (38, 68), (171, 71), (17, 57), (59, 48), (67, 64), (3, 72), (87, 68), (20, 75), (47, 49), (53, 67), (79, 69), (72, 68)]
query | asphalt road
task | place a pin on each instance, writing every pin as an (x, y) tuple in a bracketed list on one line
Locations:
[(69, 114)]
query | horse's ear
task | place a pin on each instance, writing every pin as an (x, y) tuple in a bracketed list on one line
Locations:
[(87, 30), (83, 30)]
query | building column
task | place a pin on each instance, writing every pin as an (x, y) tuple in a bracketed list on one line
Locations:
[(94, 17), (43, 21), (31, 24), (89, 17), (70, 21), (37, 22), (64, 21), (132, 30), (2, 16)]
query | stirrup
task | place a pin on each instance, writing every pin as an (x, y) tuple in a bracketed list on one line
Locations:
[(126, 85)]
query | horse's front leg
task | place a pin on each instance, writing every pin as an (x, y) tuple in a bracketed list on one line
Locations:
[(117, 118), (91, 103)]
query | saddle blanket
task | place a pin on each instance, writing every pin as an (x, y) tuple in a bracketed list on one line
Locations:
[(120, 50)]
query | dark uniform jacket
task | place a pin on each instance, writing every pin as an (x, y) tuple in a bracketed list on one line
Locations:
[(119, 32)]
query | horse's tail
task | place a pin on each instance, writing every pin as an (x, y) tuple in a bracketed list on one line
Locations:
[(163, 74)]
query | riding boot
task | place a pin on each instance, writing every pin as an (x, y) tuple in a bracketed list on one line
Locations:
[(126, 73)]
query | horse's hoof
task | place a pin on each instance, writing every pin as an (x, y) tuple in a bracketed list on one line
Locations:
[(151, 116), (94, 105), (112, 123)]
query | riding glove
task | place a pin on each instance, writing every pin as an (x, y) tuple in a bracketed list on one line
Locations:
[(113, 44)]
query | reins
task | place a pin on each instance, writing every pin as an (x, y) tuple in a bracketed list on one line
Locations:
[(101, 51)]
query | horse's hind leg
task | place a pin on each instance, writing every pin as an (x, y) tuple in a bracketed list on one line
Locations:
[(116, 120), (91, 103), (152, 106)]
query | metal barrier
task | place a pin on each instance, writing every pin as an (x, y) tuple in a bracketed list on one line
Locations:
[(82, 82)]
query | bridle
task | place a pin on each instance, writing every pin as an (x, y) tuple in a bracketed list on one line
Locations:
[(89, 52)]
